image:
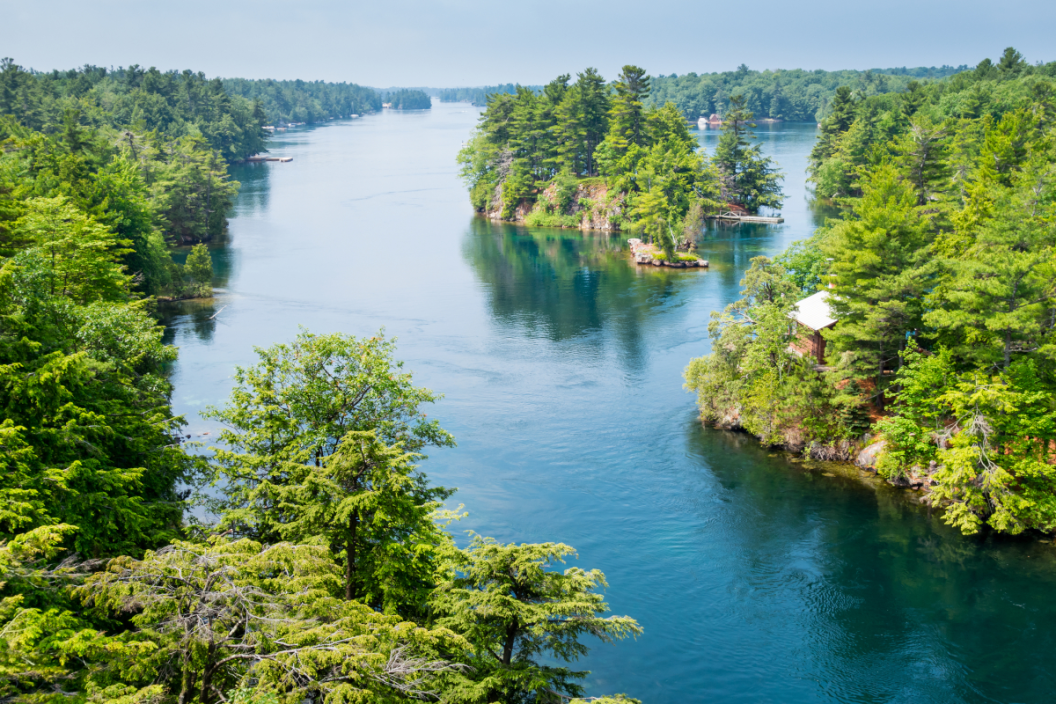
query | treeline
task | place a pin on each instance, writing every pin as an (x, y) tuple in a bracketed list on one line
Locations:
[(588, 152), (329, 574), (795, 95), (171, 104), (943, 283), (478, 96), (408, 99), (304, 101)]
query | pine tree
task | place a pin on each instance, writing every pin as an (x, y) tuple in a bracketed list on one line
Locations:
[(519, 617), (628, 108), (748, 178)]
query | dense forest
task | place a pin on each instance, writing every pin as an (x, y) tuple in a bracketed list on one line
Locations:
[(591, 154), (407, 99), (172, 105), (795, 95), (305, 101), (941, 275)]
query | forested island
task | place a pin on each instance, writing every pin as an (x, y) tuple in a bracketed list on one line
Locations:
[(479, 96), (407, 99), (939, 283), (595, 156)]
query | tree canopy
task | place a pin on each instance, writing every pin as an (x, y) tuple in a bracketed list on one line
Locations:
[(942, 282)]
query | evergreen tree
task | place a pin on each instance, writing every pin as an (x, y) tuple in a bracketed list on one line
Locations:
[(628, 108), (296, 406), (838, 121), (518, 617), (748, 178), (879, 271), (199, 271)]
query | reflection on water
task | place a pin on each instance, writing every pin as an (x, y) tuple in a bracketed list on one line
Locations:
[(566, 284), (254, 190), (197, 316)]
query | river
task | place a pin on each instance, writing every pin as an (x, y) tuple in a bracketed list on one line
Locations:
[(756, 578)]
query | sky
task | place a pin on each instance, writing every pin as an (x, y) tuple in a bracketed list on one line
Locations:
[(448, 43)]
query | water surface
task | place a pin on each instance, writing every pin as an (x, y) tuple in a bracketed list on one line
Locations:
[(756, 579)]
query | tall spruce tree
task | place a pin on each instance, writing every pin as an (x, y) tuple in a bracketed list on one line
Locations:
[(628, 108), (748, 179)]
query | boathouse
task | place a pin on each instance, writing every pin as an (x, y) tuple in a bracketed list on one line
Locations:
[(811, 316)]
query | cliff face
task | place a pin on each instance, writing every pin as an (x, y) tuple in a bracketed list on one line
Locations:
[(591, 208)]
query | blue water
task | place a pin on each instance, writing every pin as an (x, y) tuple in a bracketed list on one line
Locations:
[(756, 578)]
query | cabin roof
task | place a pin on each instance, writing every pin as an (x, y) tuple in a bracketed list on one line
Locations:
[(814, 312)]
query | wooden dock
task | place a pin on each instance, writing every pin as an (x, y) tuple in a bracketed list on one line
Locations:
[(746, 218), (258, 159)]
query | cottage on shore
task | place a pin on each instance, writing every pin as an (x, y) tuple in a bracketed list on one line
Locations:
[(811, 316)]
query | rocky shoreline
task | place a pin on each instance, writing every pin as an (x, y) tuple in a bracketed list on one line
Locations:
[(863, 454), (645, 254)]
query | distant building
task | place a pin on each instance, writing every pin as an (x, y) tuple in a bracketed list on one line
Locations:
[(812, 315), (704, 123)]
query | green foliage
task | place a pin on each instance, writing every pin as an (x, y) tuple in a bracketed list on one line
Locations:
[(406, 99), (748, 179), (210, 618), (139, 185), (806, 264), (878, 268), (90, 433), (754, 381), (943, 270), (794, 95), (992, 442), (517, 616), (528, 141), (174, 104), (334, 416), (199, 270), (865, 126), (371, 507), (479, 96), (304, 101), (193, 191)]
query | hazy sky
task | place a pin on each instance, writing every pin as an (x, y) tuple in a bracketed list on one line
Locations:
[(469, 42)]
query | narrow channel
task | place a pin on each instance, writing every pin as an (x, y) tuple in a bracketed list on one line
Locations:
[(756, 578)]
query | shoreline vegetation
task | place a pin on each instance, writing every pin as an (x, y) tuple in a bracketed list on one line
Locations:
[(592, 155), (145, 154), (406, 99), (940, 370)]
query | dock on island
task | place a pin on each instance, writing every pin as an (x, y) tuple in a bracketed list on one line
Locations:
[(730, 215)]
